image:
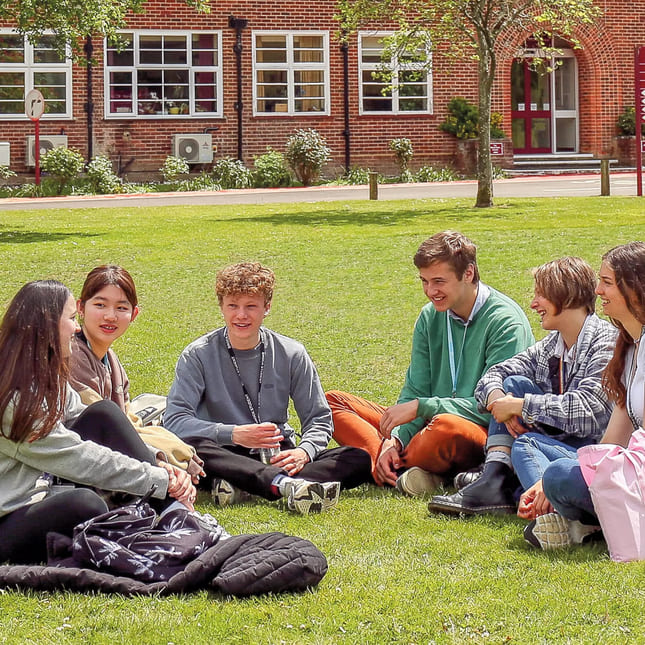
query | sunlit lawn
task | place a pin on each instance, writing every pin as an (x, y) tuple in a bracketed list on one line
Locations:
[(347, 288)]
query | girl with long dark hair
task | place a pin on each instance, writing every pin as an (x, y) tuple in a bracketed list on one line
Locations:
[(44, 427)]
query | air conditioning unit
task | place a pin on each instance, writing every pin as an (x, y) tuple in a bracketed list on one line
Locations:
[(194, 148), (46, 143), (5, 156)]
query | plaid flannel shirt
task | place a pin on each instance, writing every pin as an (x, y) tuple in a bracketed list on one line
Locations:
[(582, 410)]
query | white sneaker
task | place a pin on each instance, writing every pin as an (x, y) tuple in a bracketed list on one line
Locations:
[(306, 497), (552, 531), (417, 482), (225, 494)]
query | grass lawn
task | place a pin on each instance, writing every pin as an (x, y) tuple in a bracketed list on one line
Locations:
[(348, 290)]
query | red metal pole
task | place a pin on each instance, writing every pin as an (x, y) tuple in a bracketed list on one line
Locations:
[(37, 152), (639, 116)]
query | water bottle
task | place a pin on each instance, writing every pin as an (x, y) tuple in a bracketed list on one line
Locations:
[(267, 453)]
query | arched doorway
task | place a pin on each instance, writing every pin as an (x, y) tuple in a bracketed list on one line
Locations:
[(544, 105)]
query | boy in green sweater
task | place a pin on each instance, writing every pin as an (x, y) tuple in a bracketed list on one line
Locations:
[(435, 430)]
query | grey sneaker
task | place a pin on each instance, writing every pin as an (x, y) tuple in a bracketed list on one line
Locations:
[(552, 531), (306, 497), (417, 482), (224, 493)]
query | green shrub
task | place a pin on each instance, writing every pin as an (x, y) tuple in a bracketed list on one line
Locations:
[(403, 152), (626, 122), (202, 181), (270, 170), (306, 154), (63, 164), (6, 172), (499, 172), (463, 120), (428, 173), (231, 173), (173, 167), (102, 176), (496, 120), (357, 176)]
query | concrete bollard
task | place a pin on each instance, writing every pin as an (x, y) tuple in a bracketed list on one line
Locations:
[(604, 178), (373, 185)]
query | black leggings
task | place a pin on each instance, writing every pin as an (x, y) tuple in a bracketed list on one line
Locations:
[(23, 532)]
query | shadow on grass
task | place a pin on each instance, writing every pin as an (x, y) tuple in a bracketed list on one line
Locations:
[(34, 237), (355, 215)]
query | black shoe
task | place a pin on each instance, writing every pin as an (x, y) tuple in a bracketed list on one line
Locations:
[(462, 480), (492, 493)]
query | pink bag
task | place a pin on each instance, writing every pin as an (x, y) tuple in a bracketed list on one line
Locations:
[(616, 479)]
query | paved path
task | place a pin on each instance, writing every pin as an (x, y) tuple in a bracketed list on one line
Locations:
[(545, 186)]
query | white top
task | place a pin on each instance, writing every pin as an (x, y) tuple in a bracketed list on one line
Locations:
[(634, 376)]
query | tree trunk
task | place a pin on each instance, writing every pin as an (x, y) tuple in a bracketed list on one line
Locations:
[(484, 167)]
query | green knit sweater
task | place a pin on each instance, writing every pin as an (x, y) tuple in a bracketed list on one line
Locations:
[(498, 331)]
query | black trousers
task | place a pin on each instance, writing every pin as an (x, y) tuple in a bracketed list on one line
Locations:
[(23, 532), (349, 466)]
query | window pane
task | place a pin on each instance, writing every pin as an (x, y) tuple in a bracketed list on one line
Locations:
[(412, 105), (205, 50), (175, 52), (271, 49), (310, 105), (125, 57), (272, 76), (272, 91), (205, 106), (53, 88), (377, 105), (150, 50), (12, 48), (273, 106), (309, 76), (308, 49), (44, 51), (12, 93), (372, 50), (120, 92)]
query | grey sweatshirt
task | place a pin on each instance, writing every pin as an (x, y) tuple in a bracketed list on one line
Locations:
[(206, 398), (23, 466)]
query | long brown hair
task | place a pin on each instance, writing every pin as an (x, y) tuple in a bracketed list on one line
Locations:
[(33, 371), (627, 261)]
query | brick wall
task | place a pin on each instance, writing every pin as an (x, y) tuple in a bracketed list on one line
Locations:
[(605, 87)]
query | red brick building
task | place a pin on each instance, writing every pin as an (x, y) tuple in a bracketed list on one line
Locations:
[(174, 89)]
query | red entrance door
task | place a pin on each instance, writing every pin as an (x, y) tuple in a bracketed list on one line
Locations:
[(531, 109)]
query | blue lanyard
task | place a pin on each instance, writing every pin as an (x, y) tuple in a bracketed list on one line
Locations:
[(454, 373)]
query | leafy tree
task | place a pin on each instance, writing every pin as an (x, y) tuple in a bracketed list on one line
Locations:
[(74, 20), (470, 28)]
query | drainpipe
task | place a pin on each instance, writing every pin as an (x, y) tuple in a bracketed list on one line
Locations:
[(238, 24), (346, 132), (89, 105)]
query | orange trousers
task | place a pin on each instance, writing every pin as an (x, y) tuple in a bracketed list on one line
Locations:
[(449, 444)]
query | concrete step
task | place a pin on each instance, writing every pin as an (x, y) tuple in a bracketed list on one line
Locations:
[(558, 164)]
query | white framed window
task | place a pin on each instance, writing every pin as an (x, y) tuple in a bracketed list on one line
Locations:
[(290, 72), (410, 89), (25, 66), (164, 74)]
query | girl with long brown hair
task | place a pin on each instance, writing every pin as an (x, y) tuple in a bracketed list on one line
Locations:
[(43, 427)]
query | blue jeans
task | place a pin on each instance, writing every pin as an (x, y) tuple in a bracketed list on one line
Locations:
[(533, 452), (518, 386), (567, 490)]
